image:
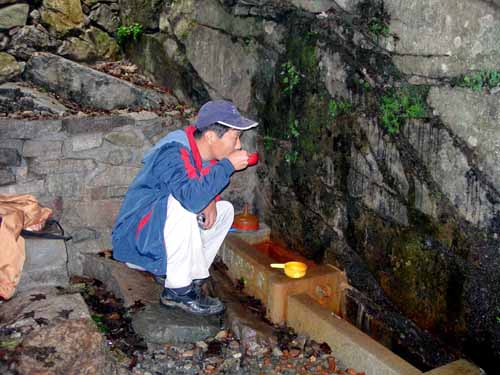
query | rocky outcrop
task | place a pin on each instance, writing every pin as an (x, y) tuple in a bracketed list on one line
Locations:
[(89, 87), (444, 39), (56, 335)]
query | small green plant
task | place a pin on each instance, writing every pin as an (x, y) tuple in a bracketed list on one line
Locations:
[(99, 323), (125, 34), (291, 156), (247, 40), (268, 142), (293, 128), (290, 77), (378, 28), (478, 80), (338, 107), (399, 106)]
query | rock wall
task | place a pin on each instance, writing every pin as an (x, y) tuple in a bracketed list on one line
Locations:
[(379, 137), (378, 134)]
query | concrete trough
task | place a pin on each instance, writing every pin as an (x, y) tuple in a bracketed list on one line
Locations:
[(314, 306), (324, 284)]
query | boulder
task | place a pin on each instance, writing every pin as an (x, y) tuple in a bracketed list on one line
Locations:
[(160, 325), (77, 49), (105, 46), (55, 333), (89, 87), (93, 45), (105, 17), (62, 16), (13, 16), (29, 39), (17, 97), (9, 67)]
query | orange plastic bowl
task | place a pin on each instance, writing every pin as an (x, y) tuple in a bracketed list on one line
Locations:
[(295, 270)]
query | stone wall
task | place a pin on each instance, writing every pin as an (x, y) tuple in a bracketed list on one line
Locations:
[(80, 167)]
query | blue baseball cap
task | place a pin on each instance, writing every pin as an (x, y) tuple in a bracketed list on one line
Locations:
[(222, 112)]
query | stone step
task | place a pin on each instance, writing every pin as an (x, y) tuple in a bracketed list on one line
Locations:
[(45, 264), (130, 285), (154, 323)]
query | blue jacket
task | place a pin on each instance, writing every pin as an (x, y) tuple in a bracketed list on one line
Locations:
[(173, 166)]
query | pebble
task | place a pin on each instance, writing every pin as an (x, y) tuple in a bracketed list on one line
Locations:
[(234, 345), (221, 335), (277, 352), (202, 345)]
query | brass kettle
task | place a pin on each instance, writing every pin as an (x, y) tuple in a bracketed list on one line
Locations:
[(245, 220)]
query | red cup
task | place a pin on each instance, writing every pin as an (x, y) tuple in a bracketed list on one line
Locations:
[(253, 158)]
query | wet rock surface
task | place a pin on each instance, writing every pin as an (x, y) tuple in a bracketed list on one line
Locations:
[(158, 324)]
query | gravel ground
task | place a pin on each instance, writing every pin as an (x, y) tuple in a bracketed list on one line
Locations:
[(224, 354)]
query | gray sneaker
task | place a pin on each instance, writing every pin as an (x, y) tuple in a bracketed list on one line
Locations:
[(193, 301)]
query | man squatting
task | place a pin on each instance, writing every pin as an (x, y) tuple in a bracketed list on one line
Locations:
[(157, 228)]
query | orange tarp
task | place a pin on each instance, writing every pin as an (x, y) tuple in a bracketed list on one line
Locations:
[(17, 212)]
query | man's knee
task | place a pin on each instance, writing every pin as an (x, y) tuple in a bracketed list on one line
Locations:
[(225, 210)]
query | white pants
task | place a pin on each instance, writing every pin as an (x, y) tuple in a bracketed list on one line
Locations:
[(191, 250)]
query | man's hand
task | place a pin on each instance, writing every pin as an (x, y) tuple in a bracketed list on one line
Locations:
[(210, 213), (239, 159)]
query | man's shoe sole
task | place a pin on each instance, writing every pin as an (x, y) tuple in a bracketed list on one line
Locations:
[(170, 303)]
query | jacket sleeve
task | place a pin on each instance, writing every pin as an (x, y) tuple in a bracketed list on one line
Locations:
[(177, 171)]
